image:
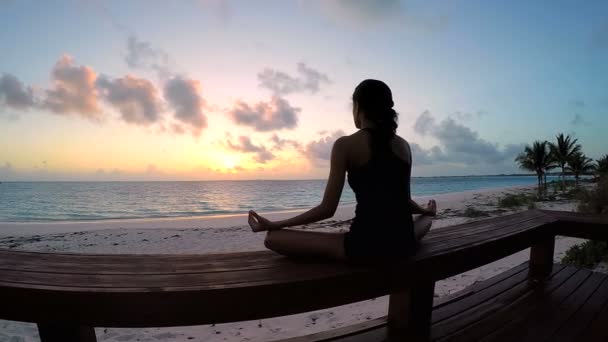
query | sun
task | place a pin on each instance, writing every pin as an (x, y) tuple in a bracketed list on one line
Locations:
[(229, 161)]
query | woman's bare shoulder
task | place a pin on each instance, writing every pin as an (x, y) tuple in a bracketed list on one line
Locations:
[(402, 148)]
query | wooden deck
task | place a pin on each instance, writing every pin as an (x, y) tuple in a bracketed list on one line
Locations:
[(570, 305), (66, 294)]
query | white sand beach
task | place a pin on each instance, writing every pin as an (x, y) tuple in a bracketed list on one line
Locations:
[(231, 233)]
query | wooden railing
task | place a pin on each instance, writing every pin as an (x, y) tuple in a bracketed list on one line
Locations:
[(68, 294)]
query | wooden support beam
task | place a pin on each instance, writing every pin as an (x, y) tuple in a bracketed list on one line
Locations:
[(541, 258), (65, 333), (409, 311)]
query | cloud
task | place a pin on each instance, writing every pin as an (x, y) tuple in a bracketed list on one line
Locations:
[(424, 123), (7, 172), (184, 97), (578, 120), (468, 116), (279, 143), (73, 90), (141, 55), (364, 10), (459, 144), (318, 151), (222, 8), (135, 98), (578, 104), (421, 156), (281, 83), (266, 116), (262, 154), (367, 13), (14, 94)]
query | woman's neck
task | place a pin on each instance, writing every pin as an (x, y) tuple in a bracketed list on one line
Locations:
[(367, 124)]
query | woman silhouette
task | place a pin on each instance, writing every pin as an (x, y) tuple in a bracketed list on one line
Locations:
[(378, 164)]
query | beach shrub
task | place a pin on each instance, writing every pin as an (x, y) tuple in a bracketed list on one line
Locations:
[(472, 212), (587, 254), (594, 201), (515, 200)]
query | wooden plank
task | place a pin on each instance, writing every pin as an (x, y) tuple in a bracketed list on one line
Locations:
[(503, 325), (543, 313), (477, 286), (549, 318), (483, 319), (457, 260), (484, 226), (597, 330), (480, 296), (476, 239), (580, 321), (63, 333), (291, 272), (167, 307), (136, 265)]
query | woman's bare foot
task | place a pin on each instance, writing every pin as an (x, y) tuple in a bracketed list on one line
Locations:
[(259, 223), (432, 207)]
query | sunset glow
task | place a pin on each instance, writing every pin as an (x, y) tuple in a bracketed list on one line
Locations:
[(201, 90)]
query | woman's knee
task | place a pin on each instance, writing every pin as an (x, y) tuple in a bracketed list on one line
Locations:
[(422, 225), (270, 240)]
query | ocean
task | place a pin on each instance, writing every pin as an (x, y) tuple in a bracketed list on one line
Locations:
[(79, 201)]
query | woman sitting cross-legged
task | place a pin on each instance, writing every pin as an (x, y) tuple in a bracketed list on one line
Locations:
[(378, 164)]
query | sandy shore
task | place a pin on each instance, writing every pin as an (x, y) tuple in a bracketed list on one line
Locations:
[(230, 233)]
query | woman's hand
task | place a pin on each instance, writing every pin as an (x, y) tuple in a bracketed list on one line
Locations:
[(259, 223), (431, 208)]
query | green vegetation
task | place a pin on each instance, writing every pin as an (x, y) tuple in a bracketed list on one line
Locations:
[(537, 158), (563, 150), (511, 201), (601, 166), (587, 254), (594, 201), (579, 164), (591, 252), (565, 153), (472, 212)]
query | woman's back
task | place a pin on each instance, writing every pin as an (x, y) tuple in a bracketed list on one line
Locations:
[(379, 174)]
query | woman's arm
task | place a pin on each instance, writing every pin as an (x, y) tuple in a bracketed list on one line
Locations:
[(431, 209), (331, 198)]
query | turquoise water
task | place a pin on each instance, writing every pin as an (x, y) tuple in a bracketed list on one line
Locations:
[(76, 201)]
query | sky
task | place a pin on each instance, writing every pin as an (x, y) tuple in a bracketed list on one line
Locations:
[(221, 90)]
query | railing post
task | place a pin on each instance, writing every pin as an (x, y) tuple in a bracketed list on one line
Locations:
[(65, 333), (541, 258), (409, 311)]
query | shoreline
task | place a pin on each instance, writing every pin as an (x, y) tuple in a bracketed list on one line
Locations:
[(222, 235), (344, 212)]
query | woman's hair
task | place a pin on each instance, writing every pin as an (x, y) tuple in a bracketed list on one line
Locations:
[(375, 99)]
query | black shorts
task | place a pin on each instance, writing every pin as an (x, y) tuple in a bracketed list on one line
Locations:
[(380, 246)]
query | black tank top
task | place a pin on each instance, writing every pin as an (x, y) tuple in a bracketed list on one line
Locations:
[(383, 218)]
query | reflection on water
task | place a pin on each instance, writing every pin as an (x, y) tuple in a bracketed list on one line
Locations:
[(51, 201)]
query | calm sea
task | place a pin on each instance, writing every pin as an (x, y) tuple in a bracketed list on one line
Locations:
[(76, 201)]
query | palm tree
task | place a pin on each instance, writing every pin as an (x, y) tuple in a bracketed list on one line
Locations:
[(562, 151), (601, 166), (536, 158), (579, 164)]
